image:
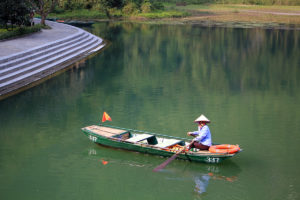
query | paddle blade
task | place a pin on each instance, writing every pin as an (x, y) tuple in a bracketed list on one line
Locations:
[(105, 117), (164, 164)]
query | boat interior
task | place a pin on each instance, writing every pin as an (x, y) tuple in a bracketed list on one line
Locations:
[(169, 144), (135, 137), (132, 137)]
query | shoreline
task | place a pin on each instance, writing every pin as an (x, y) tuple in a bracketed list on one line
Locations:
[(218, 15), (215, 24)]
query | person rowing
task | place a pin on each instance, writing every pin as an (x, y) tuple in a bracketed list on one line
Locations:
[(202, 138)]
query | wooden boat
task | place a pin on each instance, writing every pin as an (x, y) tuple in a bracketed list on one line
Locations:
[(151, 143)]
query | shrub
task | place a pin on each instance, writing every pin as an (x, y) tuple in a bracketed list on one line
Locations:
[(20, 31), (146, 7), (157, 6), (88, 5), (58, 10), (130, 8), (70, 5), (114, 12)]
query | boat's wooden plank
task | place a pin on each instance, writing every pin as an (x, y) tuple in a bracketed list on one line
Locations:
[(104, 131), (167, 142), (139, 138)]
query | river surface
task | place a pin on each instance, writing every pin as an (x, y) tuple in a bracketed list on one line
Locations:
[(160, 78)]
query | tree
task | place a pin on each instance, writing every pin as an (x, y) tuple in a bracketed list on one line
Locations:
[(15, 12), (112, 3), (43, 8), (107, 4)]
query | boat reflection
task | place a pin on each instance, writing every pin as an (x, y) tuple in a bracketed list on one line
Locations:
[(201, 182), (200, 175)]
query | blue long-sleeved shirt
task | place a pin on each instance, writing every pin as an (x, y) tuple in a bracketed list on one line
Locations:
[(203, 135)]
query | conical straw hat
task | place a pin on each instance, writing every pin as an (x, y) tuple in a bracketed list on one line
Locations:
[(202, 118)]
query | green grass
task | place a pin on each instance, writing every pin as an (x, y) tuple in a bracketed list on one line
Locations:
[(163, 14), (172, 6), (94, 14), (252, 2), (228, 7), (18, 31), (79, 14)]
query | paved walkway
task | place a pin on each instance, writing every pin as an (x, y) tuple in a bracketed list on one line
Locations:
[(58, 31), (32, 58)]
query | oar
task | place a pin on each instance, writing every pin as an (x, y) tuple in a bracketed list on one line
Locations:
[(162, 165)]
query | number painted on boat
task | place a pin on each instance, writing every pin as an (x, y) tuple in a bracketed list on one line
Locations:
[(93, 138), (213, 160), (213, 168)]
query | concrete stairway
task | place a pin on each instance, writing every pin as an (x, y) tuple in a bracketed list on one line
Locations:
[(24, 68)]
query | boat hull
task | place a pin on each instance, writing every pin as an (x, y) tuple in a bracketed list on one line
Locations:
[(144, 148)]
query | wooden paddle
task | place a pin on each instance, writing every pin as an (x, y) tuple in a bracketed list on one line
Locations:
[(164, 164)]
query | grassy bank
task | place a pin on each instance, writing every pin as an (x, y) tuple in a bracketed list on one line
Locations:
[(233, 7), (81, 14), (18, 31), (84, 14), (233, 13), (164, 14), (257, 15), (250, 2)]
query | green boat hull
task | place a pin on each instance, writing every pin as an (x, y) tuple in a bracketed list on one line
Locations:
[(143, 148)]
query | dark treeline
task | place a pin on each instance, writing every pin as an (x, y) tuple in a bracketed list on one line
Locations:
[(111, 7), (21, 12), (148, 5), (15, 12)]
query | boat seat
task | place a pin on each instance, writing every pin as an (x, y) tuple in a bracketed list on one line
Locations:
[(169, 142), (141, 137)]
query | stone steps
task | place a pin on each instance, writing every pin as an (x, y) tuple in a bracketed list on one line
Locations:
[(39, 52), (44, 61), (41, 60), (36, 49), (27, 67)]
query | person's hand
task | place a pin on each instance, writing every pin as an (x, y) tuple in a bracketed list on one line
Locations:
[(188, 133)]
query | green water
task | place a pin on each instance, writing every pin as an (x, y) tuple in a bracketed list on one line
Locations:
[(160, 78)]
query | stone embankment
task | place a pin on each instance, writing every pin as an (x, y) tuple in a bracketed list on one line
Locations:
[(24, 61)]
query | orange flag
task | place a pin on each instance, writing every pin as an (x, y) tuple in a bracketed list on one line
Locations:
[(105, 117)]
